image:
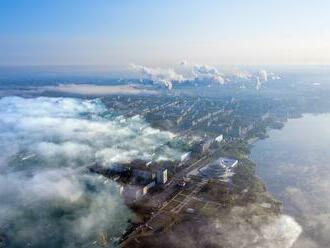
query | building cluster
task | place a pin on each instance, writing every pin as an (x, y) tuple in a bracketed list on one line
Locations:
[(204, 145), (236, 118), (143, 177), (223, 168)]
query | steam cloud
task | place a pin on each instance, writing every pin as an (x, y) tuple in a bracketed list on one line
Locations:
[(201, 72), (160, 76), (264, 76), (47, 197), (205, 72)]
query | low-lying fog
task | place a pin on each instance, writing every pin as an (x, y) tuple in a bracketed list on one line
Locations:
[(47, 197)]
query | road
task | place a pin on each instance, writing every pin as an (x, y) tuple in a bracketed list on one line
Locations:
[(161, 200), (158, 199)]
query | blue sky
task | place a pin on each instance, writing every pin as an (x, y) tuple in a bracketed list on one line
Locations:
[(154, 32)]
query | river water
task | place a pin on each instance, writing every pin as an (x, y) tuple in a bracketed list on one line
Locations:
[(295, 165)]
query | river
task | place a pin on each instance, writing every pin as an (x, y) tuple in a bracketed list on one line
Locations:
[(294, 162)]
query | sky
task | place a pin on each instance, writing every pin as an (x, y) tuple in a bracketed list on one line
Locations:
[(155, 32)]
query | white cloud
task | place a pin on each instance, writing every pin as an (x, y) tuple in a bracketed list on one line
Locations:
[(70, 150), (240, 228), (212, 74), (258, 84), (203, 73), (281, 232), (167, 76), (48, 197), (160, 76), (263, 75), (244, 227), (97, 90), (209, 73), (240, 74)]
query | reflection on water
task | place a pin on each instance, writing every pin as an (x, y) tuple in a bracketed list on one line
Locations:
[(295, 164)]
